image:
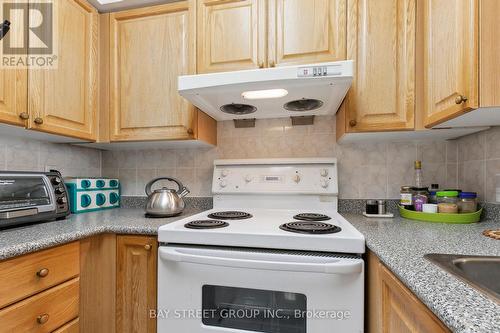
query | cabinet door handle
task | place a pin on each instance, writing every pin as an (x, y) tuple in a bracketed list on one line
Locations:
[(43, 272), (147, 247), (38, 121), (42, 319), (460, 99), (24, 115), (353, 123)]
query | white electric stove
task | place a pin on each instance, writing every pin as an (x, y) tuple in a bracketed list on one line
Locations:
[(273, 255)]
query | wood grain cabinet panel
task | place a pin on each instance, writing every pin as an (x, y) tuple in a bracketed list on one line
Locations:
[(136, 283), (392, 308), (71, 327), (381, 41), (13, 96), (43, 312), (231, 35), (27, 275), (450, 51), (306, 31), (63, 100), (150, 48)]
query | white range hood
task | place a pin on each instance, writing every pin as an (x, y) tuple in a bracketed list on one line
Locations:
[(304, 90)]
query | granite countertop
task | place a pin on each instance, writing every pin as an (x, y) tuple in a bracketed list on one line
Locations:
[(30, 238), (400, 244)]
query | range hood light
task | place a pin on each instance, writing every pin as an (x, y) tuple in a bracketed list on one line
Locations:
[(263, 94)]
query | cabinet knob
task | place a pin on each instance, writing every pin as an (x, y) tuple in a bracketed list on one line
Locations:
[(43, 272), (38, 121), (460, 99), (42, 319), (261, 64), (24, 115), (190, 131), (272, 63), (353, 123), (147, 247)]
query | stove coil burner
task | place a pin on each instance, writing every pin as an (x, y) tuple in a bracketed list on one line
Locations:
[(312, 217), (206, 224), (230, 215), (310, 227)]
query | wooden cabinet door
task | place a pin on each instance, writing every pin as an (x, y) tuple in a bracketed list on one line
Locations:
[(450, 47), (306, 31), (402, 312), (135, 283), (231, 35), (13, 96), (64, 100), (150, 48), (381, 41)]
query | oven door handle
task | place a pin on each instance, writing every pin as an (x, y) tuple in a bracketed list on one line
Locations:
[(336, 266)]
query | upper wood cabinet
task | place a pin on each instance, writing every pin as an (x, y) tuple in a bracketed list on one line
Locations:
[(450, 51), (231, 35), (13, 96), (306, 31), (135, 283), (63, 101), (249, 34), (150, 48), (381, 41)]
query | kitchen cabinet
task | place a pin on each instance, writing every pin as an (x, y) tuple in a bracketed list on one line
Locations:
[(63, 100), (249, 34), (381, 41), (305, 31), (231, 35), (149, 48), (14, 96), (136, 270), (40, 291), (461, 58), (391, 307)]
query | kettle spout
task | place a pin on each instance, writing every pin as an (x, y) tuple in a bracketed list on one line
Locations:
[(185, 191)]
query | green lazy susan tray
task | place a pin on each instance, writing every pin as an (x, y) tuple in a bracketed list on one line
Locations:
[(441, 217)]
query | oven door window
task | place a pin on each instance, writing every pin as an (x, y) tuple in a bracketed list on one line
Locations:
[(18, 192), (253, 309)]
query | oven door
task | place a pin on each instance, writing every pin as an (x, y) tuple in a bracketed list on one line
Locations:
[(202, 289)]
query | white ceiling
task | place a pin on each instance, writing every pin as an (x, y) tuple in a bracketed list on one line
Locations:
[(104, 6)]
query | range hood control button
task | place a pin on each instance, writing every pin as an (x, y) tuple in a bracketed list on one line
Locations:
[(324, 173), (223, 183), (296, 178), (224, 173), (324, 183), (248, 178)]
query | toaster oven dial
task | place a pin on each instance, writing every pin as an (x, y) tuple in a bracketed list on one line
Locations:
[(59, 190), (61, 200), (56, 180)]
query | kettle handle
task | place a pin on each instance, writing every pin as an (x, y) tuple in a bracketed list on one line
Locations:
[(148, 185)]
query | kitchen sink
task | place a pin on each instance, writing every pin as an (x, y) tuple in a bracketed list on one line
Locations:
[(481, 272)]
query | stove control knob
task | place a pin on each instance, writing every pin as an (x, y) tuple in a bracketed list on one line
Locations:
[(223, 183), (248, 178), (324, 183), (324, 173), (224, 173), (296, 178)]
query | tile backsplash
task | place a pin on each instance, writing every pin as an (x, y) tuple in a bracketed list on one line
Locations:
[(22, 154), (366, 170)]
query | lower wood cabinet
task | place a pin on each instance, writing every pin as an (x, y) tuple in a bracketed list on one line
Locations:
[(39, 292), (392, 308), (136, 269)]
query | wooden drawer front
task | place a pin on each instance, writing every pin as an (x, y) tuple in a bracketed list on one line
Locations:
[(57, 305), (20, 277), (71, 327)]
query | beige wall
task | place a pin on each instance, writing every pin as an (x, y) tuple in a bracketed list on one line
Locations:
[(478, 161), (369, 170), (31, 155)]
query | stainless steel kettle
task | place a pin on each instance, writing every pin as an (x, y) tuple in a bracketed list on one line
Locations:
[(165, 202)]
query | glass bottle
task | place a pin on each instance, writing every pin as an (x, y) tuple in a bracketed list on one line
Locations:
[(419, 176)]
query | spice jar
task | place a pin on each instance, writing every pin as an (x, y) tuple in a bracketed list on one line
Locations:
[(406, 197), (420, 197), (448, 208), (467, 202), (447, 197)]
